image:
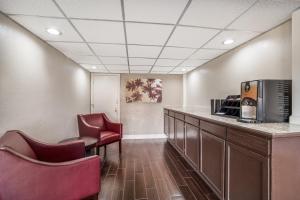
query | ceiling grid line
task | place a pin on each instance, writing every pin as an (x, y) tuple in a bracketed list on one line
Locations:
[(245, 11), (114, 20), (136, 44), (91, 49), (173, 30), (169, 36), (142, 57), (129, 21), (125, 33)]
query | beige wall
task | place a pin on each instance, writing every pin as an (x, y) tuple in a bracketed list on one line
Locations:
[(147, 118), (41, 90), (296, 66), (266, 57)]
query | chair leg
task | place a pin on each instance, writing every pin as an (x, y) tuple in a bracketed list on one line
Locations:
[(94, 197), (104, 151), (103, 161), (97, 150), (120, 146)]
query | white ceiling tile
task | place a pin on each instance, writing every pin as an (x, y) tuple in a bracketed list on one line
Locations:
[(163, 11), (207, 53), (72, 48), (214, 13), (140, 68), (109, 49), (114, 60), (167, 62), (143, 51), (176, 53), (92, 9), (193, 63), (98, 71), (101, 31), (285, 0), (177, 72), (30, 7), (265, 15), (239, 37), (99, 68), (191, 37), (139, 72), (161, 69), (120, 71), (158, 72), (116, 67), (141, 61), (39, 26), (84, 59), (183, 69), (149, 34)]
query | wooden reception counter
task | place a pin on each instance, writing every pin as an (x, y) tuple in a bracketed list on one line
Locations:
[(238, 161)]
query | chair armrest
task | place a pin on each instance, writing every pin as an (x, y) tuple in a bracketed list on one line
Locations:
[(86, 129), (57, 152), (114, 127), (26, 178)]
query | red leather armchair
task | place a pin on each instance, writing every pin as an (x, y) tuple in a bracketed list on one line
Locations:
[(98, 125), (33, 170)]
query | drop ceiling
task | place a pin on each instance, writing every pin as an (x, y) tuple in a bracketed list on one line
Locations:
[(147, 36)]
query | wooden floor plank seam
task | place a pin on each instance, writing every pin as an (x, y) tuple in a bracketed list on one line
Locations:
[(150, 170)]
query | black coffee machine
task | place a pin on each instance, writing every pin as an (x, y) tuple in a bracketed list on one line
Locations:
[(229, 107), (266, 101)]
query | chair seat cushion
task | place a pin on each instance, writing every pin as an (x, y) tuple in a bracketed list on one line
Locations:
[(109, 137)]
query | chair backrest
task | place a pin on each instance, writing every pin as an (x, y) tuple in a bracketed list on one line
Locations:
[(95, 119), (15, 141)]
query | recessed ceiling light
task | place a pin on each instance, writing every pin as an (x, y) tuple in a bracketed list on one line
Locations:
[(53, 31), (94, 67), (228, 41)]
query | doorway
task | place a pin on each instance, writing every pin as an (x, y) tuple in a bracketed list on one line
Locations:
[(105, 95)]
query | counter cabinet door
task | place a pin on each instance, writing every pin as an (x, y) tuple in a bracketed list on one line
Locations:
[(166, 124), (192, 142), (171, 135), (179, 134), (213, 161), (247, 174)]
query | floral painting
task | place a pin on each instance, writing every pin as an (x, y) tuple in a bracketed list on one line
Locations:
[(144, 90)]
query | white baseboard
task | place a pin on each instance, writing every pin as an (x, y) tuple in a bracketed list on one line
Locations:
[(144, 136), (295, 120)]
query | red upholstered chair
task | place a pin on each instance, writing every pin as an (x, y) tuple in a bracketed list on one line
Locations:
[(33, 170), (97, 125)]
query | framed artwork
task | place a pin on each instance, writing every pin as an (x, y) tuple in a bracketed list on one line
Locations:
[(143, 90)]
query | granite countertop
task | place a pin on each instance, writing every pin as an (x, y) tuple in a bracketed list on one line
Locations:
[(270, 129)]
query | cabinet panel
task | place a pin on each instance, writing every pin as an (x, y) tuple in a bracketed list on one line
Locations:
[(192, 120), (171, 129), (247, 174), (166, 124), (214, 129), (171, 113), (255, 143), (179, 134), (235, 169), (179, 116), (192, 135), (213, 161)]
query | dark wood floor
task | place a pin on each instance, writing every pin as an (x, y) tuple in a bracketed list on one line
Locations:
[(149, 169)]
